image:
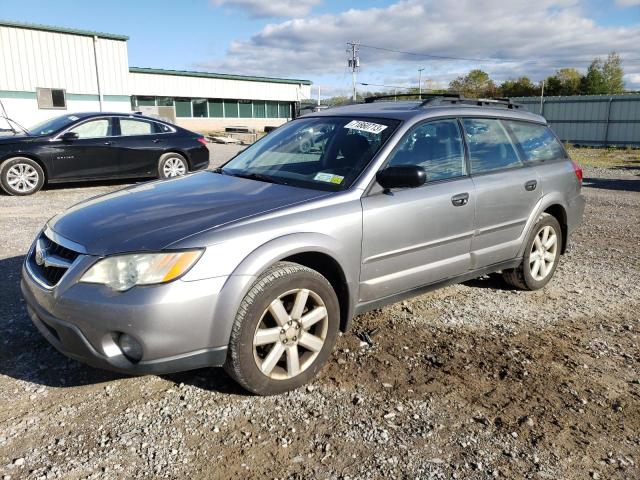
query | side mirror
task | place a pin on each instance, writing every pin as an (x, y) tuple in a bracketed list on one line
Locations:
[(401, 176), (69, 137)]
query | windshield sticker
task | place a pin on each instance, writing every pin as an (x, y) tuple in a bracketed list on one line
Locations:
[(329, 178), (365, 126)]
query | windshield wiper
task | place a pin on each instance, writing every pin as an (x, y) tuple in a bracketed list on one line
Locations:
[(261, 177)]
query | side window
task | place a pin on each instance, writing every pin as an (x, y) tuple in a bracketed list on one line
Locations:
[(134, 127), (537, 141), (93, 129), (489, 145), (161, 128), (436, 146)]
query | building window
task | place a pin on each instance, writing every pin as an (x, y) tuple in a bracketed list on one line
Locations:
[(183, 107), (51, 98), (216, 108), (199, 107), (231, 108), (259, 109), (284, 110), (164, 101), (272, 109), (246, 111), (146, 101)]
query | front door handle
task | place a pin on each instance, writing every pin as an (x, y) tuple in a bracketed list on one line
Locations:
[(460, 199), (156, 140), (531, 185), (108, 143)]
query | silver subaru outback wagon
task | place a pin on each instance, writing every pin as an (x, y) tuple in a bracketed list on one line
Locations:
[(257, 265)]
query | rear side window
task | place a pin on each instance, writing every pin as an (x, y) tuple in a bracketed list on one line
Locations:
[(134, 127), (537, 141), (489, 145), (436, 147)]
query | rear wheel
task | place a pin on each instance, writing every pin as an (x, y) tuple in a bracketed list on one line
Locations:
[(21, 176), (284, 331), (541, 256), (172, 165)]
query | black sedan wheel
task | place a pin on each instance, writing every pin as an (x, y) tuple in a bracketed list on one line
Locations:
[(172, 165), (21, 176)]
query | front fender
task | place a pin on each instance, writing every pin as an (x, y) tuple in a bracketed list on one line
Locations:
[(246, 273)]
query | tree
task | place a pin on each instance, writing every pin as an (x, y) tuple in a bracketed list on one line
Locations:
[(594, 83), (570, 79), (474, 84), (613, 73), (520, 87)]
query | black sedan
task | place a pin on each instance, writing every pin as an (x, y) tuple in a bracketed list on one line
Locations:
[(92, 146)]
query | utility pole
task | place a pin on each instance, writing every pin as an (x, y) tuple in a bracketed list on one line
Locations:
[(318, 95), (420, 81), (354, 64), (542, 97)]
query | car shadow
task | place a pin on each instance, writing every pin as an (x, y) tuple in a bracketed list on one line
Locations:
[(25, 354), (613, 184), (494, 281)]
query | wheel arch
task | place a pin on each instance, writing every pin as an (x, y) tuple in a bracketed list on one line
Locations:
[(30, 156), (560, 214), (554, 205), (182, 153)]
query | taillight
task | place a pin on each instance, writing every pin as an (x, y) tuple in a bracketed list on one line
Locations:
[(578, 171), (202, 140)]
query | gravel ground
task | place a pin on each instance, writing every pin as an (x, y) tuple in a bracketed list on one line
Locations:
[(471, 381)]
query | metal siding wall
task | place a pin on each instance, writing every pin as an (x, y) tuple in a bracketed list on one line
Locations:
[(197, 87), (584, 119), (33, 58)]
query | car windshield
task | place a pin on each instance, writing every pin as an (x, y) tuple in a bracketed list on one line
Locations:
[(52, 125), (324, 153)]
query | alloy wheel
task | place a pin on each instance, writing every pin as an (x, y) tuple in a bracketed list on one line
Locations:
[(543, 252), (22, 177), (174, 167), (290, 334)]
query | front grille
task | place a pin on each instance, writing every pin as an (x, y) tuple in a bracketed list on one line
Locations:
[(49, 261)]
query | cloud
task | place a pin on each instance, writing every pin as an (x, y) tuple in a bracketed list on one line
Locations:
[(270, 8), (628, 3), (537, 41)]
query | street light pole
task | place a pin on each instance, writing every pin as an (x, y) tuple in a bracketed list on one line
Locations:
[(420, 81)]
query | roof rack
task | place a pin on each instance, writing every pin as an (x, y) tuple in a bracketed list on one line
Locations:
[(425, 96)]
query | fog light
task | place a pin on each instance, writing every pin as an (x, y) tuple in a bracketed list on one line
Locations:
[(130, 347)]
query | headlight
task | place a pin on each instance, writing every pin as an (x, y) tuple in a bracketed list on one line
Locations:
[(121, 272)]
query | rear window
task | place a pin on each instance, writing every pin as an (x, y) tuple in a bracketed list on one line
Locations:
[(538, 143), (490, 147)]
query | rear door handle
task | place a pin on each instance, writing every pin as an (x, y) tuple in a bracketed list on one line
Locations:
[(531, 185), (156, 140), (460, 199), (108, 143)]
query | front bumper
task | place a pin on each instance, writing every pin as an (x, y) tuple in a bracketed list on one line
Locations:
[(173, 322)]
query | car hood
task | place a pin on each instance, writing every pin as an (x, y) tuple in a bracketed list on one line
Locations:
[(11, 139), (154, 215)]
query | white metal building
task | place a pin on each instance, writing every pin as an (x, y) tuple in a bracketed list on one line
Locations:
[(47, 71)]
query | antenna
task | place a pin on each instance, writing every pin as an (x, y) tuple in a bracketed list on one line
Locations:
[(353, 63)]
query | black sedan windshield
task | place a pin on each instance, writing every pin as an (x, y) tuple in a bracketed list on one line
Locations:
[(326, 153), (52, 125)]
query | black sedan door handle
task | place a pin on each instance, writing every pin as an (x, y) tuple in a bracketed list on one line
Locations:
[(156, 140), (531, 185), (460, 199), (108, 143)]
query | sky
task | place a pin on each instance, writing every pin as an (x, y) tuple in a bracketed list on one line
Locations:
[(307, 39)]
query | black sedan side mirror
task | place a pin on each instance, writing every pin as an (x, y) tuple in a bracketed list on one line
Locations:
[(69, 136), (401, 176)]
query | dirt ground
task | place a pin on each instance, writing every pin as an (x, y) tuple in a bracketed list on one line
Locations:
[(471, 381)]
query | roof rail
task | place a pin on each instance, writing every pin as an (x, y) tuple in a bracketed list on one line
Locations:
[(421, 96), (497, 101)]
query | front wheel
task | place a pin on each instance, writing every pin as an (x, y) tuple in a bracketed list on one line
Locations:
[(172, 165), (284, 330), (541, 256), (21, 176)]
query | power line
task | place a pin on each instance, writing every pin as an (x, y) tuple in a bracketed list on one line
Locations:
[(484, 60)]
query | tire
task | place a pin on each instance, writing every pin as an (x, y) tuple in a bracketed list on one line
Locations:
[(262, 349), (536, 269), (172, 165), (21, 176)]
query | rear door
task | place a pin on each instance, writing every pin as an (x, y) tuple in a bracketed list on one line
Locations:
[(93, 154), (140, 145), (507, 190), (417, 236)]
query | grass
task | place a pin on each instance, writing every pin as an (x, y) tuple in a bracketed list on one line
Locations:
[(605, 157)]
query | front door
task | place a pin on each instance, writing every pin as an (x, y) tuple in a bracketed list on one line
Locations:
[(93, 154), (414, 237), (507, 191)]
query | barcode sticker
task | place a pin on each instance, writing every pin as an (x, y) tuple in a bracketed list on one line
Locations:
[(365, 126)]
